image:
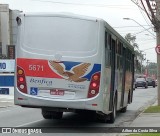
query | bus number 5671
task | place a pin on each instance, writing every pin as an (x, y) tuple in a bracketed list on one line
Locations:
[(36, 67)]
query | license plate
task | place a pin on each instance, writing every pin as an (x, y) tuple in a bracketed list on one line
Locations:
[(57, 92)]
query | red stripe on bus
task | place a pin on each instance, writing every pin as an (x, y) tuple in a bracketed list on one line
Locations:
[(36, 68)]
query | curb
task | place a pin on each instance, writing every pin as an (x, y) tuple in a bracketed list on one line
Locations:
[(141, 109), (6, 104), (137, 113)]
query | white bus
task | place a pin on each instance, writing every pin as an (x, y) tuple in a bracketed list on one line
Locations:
[(69, 63)]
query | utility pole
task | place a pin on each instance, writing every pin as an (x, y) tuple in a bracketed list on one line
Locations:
[(153, 14), (158, 68), (158, 43), (147, 68)]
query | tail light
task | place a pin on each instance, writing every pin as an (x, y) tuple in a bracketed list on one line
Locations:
[(21, 81), (94, 85)]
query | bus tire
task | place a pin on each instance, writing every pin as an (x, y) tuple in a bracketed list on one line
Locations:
[(123, 110), (112, 115), (46, 114), (51, 114), (57, 115), (103, 118)]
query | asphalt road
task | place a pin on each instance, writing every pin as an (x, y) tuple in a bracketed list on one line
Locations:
[(16, 116)]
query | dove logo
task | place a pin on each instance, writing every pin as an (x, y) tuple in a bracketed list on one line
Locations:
[(71, 71)]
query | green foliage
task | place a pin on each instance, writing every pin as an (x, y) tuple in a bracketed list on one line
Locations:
[(152, 68), (152, 65), (139, 57), (131, 39), (152, 109), (145, 134)]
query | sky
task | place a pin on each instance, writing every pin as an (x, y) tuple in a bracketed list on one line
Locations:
[(112, 11)]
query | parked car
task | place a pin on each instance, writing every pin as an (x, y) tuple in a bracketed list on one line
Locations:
[(151, 82), (141, 82)]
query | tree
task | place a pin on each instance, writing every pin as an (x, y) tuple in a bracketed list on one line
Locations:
[(131, 39), (139, 57), (152, 69)]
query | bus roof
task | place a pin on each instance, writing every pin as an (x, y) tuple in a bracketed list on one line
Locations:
[(60, 14), (119, 36), (89, 18)]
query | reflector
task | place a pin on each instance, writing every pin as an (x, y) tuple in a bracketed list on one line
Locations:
[(94, 85), (21, 82), (20, 72), (95, 77), (21, 86), (93, 91)]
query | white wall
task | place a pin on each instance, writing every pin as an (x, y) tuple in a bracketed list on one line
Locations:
[(5, 28), (13, 34)]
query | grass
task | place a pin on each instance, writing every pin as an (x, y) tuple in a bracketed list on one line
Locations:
[(145, 134), (152, 109)]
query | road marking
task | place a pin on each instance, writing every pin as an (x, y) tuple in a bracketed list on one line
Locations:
[(10, 108), (4, 111), (32, 122), (5, 101), (29, 123)]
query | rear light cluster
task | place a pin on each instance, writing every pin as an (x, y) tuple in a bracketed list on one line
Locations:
[(94, 85), (21, 81)]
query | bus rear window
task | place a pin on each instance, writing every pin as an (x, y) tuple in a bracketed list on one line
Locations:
[(60, 34)]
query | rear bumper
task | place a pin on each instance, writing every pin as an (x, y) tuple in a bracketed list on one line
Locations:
[(141, 85), (95, 104)]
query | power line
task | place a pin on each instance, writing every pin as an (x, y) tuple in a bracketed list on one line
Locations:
[(143, 14), (85, 4), (149, 48), (137, 4), (142, 8), (128, 26), (137, 32), (146, 41), (143, 30), (140, 25)]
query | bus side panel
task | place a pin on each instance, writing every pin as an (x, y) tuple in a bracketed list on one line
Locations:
[(128, 86), (119, 89), (106, 96)]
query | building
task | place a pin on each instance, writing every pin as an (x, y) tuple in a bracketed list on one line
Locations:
[(8, 31)]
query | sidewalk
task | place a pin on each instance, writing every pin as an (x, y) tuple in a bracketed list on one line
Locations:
[(7, 100), (147, 120)]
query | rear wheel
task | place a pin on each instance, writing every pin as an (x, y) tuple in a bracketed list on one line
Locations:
[(105, 118), (124, 109), (112, 115), (51, 114)]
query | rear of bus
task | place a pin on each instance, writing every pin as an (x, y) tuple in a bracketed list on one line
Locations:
[(58, 62)]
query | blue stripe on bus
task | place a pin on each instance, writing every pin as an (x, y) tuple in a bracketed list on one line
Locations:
[(96, 68), (69, 65)]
